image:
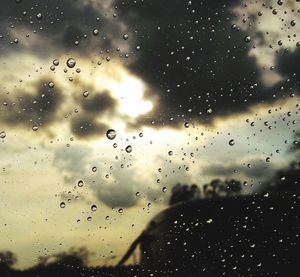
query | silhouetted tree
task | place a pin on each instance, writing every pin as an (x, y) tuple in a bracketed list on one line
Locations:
[(218, 188), (7, 260), (74, 257), (184, 193)]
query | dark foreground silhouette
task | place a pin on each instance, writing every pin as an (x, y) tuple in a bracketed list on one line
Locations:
[(254, 235)]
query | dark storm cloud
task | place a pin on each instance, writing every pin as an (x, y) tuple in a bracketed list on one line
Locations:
[(193, 58), (288, 63), (114, 196), (86, 126), (258, 169), (27, 109), (61, 23), (99, 103)]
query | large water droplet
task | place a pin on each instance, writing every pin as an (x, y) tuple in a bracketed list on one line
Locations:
[(93, 208), (71, 63), (111, 134), (128, 149), (231, 142)]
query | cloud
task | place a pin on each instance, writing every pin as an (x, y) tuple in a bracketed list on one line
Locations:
[(38, 108), (255, 169), (198, 65), (287, 63), (99, 103), (87, 127), (75, 20)]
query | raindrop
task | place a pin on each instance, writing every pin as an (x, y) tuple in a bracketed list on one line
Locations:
[(164, 189), (120, 211), (89, 218), (80, 183), (95, 32), (39, 16), (209, 110), (2, 134), (62, 204), (51, 84), (35, 128), (293, 23), (85, 93), (138, 48), (111, 134), (231, 142), (56, 62), (93, 208), (247, 39), (125, 36), (170, 153), (186, 124), (128, 149), (94, 169), (71, 62)]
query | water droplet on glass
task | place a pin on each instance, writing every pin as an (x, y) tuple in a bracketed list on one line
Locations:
[(39, 16), (2, 134), (128, 149), (93, 208), (80, 183), (247, 39), (85, 94), (51, 85), (170, 153), (56, 62), (186, 124), (231, 142), (95, 32), (120, 210), (125, 36), (94, 169), (71, 63), (62, 204), (111, 134), (209, 110), (35, 128)]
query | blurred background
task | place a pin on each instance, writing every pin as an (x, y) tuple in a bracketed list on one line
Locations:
[(106, 105)]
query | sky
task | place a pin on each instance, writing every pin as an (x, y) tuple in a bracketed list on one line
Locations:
[(176, 80)]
